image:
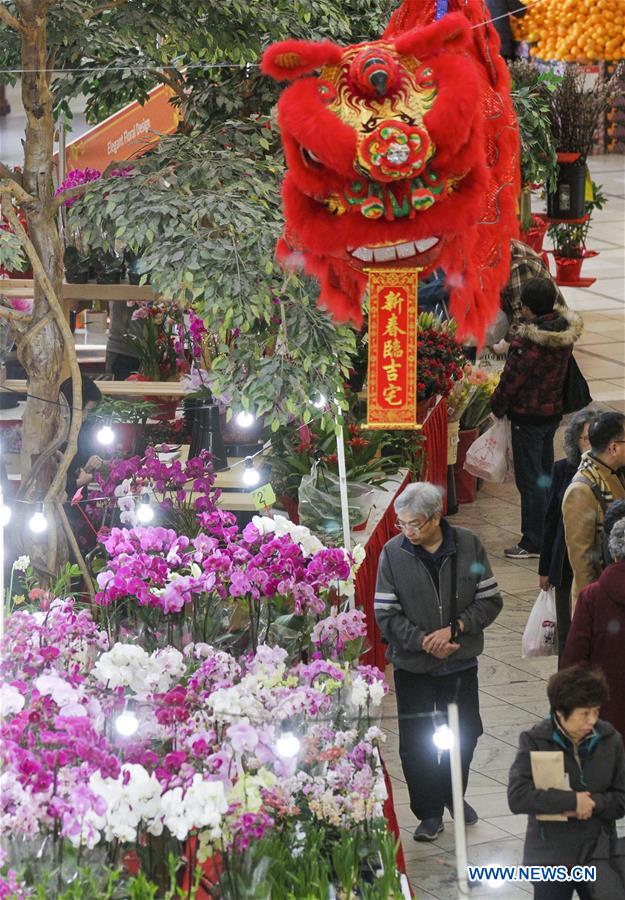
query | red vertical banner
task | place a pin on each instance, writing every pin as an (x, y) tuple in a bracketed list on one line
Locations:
[(392, 382)]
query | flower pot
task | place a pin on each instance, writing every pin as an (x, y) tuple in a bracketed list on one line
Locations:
[(127, 436), (108, 268), (96, 322), (568, 199), (453, 429), (466, 484), (206, 435), (77, 266), (568, 268), (290, 507), (535, 236)]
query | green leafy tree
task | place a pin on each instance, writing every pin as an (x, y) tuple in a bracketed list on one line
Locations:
[(114, 51)]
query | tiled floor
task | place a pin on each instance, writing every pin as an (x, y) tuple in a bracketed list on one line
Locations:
[(513, 689)]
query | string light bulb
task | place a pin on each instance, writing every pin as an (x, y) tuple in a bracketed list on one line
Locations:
[(38, 522), (126, 723), (250, 473), (145, 513), (320, 402), (5, 514), (443, 737), (106, 435), (245, 419), (288, 745)]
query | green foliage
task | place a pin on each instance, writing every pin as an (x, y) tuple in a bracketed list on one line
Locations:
[(12, 257), (569, 240), (118, 410), (139, 44), (531, 95), (204, 215)]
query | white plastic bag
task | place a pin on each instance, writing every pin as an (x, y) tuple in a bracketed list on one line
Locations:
[(539, 637), (488, 456), (319, 506)]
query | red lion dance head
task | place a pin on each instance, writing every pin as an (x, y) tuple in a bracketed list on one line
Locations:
[(401, 152)]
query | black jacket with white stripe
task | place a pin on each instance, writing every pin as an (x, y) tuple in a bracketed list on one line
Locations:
[(408, 605)]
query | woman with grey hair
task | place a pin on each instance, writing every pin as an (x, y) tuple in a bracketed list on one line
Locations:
[(554, 569), (597, 632), (435, 595)]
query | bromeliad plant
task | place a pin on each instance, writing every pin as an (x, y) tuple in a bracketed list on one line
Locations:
[(296, 448)]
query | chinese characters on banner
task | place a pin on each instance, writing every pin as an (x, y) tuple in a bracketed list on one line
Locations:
[(392, 393)]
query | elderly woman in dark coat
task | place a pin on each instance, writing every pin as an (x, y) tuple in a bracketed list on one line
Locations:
[(594, 763), (597, 633), (554, 569)]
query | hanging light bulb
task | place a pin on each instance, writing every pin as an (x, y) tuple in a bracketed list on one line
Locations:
[(106, 435), (244, 419), (320, 401), (250, 473), (38, 522), (5, 514), (288, 745), (126, 723), (145, 513)]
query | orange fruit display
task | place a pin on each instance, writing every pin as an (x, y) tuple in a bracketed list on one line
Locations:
[(574, 30)]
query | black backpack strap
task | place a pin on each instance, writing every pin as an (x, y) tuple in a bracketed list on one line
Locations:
[(596, 490)]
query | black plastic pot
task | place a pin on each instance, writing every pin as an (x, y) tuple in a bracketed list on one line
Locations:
[(567, 201), (206, 435), (135, 271), (108, 268), (76, 265)]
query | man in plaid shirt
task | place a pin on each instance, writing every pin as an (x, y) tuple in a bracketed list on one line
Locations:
[(524, 264)]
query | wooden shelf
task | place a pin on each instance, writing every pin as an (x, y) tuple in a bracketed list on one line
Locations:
[(23, 287), (121, 388)]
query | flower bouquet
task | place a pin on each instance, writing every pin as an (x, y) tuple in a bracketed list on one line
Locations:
[(482, 384), (440, 358)]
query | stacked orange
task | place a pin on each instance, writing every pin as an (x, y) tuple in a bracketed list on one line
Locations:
[(574, 30)]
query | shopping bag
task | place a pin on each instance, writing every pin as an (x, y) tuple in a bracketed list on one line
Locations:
[(488, 456), (576, 393), (539, 637)]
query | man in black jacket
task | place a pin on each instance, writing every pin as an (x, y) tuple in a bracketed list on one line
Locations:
[(531, 393), (435, 595)]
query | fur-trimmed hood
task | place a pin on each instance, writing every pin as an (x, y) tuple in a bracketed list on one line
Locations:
[(562, 328)]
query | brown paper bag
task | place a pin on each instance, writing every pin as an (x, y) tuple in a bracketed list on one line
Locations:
[(548, 772)]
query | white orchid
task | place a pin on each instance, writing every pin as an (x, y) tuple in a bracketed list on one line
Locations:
[(21, 563)]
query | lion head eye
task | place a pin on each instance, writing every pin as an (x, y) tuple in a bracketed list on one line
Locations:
[(311, 159)]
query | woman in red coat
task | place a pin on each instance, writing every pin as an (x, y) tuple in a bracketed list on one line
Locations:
[(597, 633)]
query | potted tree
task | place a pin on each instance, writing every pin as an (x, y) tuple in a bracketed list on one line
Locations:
[(569, 240), (575, 112), (531, 95)]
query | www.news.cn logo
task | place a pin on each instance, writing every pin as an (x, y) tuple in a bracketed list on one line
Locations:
[(531, 873)]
